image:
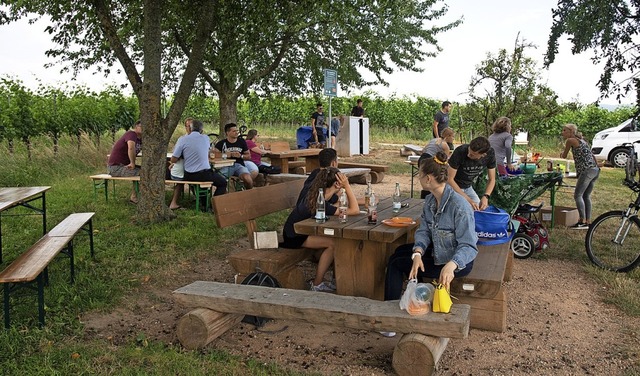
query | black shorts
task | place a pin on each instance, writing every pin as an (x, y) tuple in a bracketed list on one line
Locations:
[(293, 243)]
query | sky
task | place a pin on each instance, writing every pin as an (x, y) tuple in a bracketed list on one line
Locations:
[(488, 26)]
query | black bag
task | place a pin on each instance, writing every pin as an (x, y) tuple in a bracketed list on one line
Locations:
[(259, 279), (269, 169)]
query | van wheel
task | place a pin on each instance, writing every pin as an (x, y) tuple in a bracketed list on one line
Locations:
[(618, 158)]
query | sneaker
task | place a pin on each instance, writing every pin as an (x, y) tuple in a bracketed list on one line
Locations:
[(388, 334), (579, 226), (331, 285), (322, 287)]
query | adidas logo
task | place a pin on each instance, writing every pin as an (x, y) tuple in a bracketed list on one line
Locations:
[(484, 234)]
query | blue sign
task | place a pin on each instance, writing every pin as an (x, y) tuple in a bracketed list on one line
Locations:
[(331, 82)]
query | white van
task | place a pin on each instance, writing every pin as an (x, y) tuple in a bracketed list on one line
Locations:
[(608, 145)]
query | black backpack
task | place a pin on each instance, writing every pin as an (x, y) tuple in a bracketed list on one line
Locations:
[(259, 279)]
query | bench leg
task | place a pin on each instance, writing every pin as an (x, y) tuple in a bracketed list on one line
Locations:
[(417, 354), (201, 326), (7, 290), (71, 261), (41, 300), (91, 238), (0, 238)]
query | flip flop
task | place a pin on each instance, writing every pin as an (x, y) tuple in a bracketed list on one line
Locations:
[(176, 208), (133, 202)]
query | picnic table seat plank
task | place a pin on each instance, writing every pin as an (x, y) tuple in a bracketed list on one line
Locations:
[(32, 262), (483, 288), (416, 352), (70, 225), (31, 266), (327, 309)]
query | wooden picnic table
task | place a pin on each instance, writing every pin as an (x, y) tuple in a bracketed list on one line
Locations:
[(281, 158), (362, 250), (11, 197)]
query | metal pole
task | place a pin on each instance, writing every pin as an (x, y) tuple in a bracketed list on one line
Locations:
[(329, 125)]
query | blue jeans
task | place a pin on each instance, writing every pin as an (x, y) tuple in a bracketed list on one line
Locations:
[(582, 194), (399, 267)]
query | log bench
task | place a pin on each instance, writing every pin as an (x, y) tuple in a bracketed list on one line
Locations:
[(483, 288), (101, 181), (220, 306), (246, 207), (31, 267), (377, 171)]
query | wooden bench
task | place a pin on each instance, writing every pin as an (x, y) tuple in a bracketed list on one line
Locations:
[(483, 288), (377, 171), (31, 267), (219, 306), (245, 207), (101, 181)]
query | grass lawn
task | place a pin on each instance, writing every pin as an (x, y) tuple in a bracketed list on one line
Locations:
[(127, 254)]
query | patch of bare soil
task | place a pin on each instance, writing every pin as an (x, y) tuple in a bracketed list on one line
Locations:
[(557, 324)]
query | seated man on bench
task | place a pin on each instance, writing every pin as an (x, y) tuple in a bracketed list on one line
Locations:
[(445, 242), (194, 148), (122, 160), (236, 148), (330, 180)]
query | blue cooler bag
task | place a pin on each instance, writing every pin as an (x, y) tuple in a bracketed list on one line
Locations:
[(493, 226)]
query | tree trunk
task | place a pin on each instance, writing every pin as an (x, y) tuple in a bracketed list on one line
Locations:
[(27, 143), (10, 145), (228, 110), (151, 203)]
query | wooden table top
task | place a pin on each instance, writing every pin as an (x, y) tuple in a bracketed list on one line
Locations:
[(293, 153), (11, 196), (219, 162), (357, 226)]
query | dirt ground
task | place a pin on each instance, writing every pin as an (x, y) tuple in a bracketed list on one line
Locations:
[(557, 324)]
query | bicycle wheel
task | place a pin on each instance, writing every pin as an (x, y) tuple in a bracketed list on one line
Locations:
[(613, 243)]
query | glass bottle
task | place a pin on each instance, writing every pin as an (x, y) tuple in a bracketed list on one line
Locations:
[(397, 203), (224, 151), (320, 213), (372, 212), (343, 206), (367, 195)]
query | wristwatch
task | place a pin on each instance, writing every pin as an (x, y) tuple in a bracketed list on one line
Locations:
[(488, 196)]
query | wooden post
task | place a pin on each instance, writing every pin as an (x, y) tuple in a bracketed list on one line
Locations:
[(199, 327), (417, 354)]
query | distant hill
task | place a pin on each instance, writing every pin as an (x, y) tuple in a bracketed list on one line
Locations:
[(613, 107)]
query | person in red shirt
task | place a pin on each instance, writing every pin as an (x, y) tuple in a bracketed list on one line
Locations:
[(122, 160)]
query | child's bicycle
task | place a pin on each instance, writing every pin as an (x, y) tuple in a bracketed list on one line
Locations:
[(613, 239), (531, 235)]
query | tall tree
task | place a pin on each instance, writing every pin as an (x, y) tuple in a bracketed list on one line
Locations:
[(508, 84), (101, 33), (609, 28), (282, 46)]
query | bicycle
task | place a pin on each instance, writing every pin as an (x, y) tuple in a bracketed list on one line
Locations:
[(613, 239)]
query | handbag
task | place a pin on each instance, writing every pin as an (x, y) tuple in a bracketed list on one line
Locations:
[(493, 226), (270, 170), (441, 300)]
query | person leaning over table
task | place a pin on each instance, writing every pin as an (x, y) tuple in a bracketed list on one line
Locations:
[(122, 160), (445, 242), (501, 141), (467, 163), (587, 172), (331, 180)]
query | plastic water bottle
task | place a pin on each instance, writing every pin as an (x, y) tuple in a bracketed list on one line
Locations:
[(343, 206), (372, 213), (367, 195), (320, 209), (397, 203), (224, 151)]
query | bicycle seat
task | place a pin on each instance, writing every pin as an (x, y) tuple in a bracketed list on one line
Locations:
[(528, 208)]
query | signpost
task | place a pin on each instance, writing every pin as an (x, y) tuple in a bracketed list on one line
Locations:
[(330, 90)]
